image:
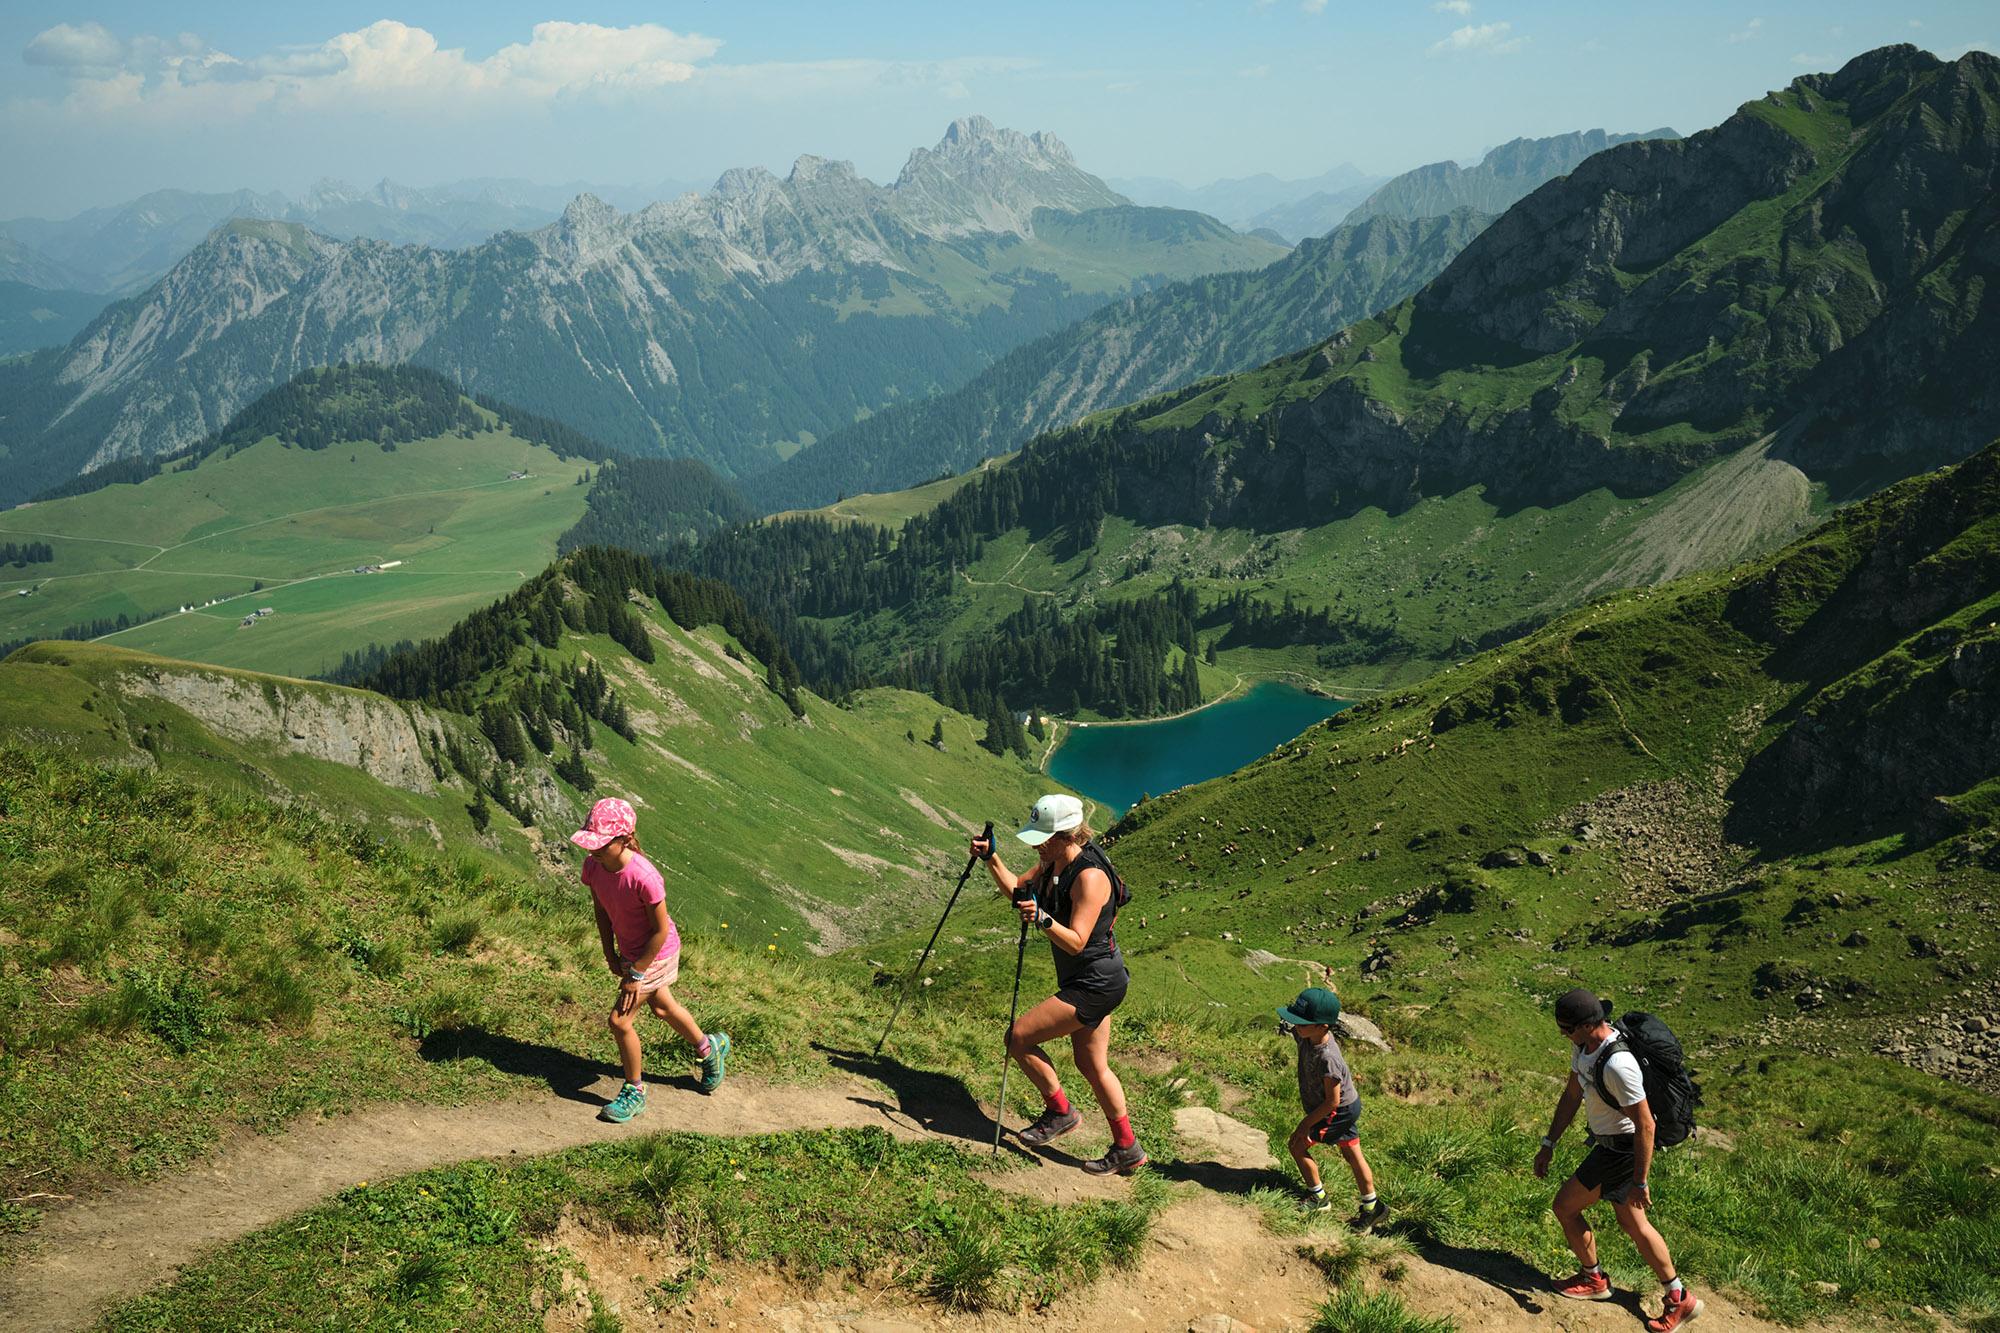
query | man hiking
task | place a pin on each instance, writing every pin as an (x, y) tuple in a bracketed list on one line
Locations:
[(1621, 1153), (1072, 896)]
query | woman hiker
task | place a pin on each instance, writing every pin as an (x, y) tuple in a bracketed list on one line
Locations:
[(1072, 896), (642, 948)]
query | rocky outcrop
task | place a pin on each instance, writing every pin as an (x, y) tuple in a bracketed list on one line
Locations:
[(348, 727)]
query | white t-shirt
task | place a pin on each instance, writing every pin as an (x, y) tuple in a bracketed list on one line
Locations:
[(1622, 1079)]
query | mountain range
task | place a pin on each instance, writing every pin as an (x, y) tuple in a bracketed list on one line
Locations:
[(121, 249), (1501, 178), (732, 326), (1130, 350)]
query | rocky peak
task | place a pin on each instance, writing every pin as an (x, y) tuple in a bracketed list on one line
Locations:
[(744, 181), (983, 178), (810, 169)]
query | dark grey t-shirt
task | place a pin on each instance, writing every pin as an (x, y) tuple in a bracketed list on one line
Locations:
[(1318, 1063)]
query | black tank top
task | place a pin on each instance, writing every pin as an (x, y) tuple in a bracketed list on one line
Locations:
[(1098, 963)]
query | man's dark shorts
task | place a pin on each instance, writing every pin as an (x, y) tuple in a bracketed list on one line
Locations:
[(1606, 1169), (1343, 1126), (1093, 1004)]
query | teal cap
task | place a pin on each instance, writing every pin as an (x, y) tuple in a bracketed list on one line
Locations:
[(1316, 1005)]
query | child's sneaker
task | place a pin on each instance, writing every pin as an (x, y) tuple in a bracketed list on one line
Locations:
[(712, 1064), (1371, 1215), (1677, 1312), (1315, 1203), (631, 1100), (1122, 1160), (1586, 1287)]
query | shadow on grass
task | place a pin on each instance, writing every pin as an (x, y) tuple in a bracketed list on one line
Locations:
[(1220, 1179), (568, 1075)]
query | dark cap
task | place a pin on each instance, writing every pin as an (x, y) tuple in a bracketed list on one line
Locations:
[(1580, 1007), (1315, 1006)]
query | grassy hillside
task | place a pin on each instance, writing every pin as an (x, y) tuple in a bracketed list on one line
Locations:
[(800, 831), (1416, 846)]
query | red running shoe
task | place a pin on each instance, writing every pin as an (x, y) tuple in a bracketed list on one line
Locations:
[(1678, 1312), (1587, 1287)]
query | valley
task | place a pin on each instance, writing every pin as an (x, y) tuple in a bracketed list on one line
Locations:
[(1580, 568)]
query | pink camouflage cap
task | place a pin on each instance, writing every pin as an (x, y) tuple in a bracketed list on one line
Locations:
[(609, 818)]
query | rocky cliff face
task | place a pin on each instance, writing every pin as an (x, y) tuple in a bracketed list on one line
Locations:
[(360, 730)]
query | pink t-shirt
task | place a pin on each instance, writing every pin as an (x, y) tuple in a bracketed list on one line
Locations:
[(627, 897)]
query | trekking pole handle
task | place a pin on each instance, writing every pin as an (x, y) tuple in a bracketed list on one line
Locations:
[(987, 838)]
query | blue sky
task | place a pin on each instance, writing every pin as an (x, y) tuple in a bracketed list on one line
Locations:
[(100, 102)]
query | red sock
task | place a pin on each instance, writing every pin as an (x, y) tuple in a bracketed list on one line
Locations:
[(1058, 1101), (1121, 1132)]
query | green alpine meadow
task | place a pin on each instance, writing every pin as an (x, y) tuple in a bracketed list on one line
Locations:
[(584, 752)]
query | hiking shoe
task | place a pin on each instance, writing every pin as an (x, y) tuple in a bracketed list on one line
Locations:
[(1586, 1287), (1051, 1124), (712, 1063), (631, 1100), (1677, 1312), (1371, 1215), (1122, 1160), (1315, 1203)]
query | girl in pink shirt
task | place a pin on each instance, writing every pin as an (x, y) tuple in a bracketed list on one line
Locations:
[(641, 947)]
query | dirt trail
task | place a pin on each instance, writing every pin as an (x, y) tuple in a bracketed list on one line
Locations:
[(1208, 1254)]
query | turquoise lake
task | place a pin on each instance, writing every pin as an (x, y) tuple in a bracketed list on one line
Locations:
[(1115, 765)]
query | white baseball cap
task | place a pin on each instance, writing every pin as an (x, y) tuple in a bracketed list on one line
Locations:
[(1053, 814)]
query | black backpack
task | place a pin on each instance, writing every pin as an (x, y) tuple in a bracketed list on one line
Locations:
[(1671, 1092)]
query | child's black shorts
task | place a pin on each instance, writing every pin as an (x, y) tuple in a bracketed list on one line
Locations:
[(1343, 1126)]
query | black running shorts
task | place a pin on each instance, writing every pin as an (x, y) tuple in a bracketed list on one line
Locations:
[(1607, 1170), (1094, 1003)]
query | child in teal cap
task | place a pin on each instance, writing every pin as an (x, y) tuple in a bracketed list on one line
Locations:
[(1332, 1106)]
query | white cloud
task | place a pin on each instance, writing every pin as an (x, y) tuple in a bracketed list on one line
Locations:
[(1458, 7), (1254, 72), (1312, 6), (1746, 32), (386, 61), (1486, 38), (86, 46), (1916, 23), (1811, 61)]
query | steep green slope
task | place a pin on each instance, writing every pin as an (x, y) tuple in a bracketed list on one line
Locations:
[(794, 816), (1815, 268), (1749, 795), (1129, 350), (1501, 179)]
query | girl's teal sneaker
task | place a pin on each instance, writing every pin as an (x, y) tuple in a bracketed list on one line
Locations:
[(712, 1063), (631, 1100)]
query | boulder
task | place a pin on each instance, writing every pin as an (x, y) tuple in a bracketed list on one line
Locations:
[(1354, 1027), (1223, 1139), (1504, 858)]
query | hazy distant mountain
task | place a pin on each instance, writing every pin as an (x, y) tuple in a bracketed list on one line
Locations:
[(730, 326), (1316, 214), (1242, 202), (1504, 177), (125, 248)]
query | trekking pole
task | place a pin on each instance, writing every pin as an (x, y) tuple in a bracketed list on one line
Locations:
[(904, 994), (1007, 1059)]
